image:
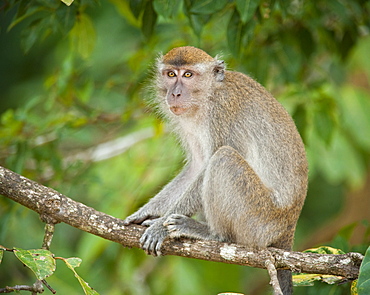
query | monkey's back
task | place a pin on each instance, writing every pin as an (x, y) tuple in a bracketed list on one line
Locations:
[(262, 131)]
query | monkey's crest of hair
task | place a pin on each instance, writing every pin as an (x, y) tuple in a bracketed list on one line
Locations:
[(187, 55)]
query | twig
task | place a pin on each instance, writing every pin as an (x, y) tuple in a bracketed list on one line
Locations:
[(274, 282), (35, 288), (8, 289), (49, 287), (49, 230), (111, 148), (100, 152)]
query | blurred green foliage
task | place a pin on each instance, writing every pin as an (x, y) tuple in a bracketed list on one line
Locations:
[(72, 77)]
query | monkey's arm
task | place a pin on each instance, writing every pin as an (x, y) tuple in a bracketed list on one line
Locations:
[(166, 198), (187, 204)]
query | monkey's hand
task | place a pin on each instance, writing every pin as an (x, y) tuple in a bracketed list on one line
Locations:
[(140, 217), (152, 239)]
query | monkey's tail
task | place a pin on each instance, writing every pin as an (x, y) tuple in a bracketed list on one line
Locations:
[(285, 281)]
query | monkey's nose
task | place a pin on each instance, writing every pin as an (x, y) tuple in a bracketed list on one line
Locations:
[(176, 95)]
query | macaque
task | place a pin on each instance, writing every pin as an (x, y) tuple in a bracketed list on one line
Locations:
[(246, 169)]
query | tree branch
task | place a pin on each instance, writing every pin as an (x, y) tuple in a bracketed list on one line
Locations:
[(46, 201)]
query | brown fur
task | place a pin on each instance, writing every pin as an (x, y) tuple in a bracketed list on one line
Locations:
[(246, 170), (186, 55)]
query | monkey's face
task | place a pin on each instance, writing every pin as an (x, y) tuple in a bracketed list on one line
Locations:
[(186, 88), (186, 78), (182, 86)]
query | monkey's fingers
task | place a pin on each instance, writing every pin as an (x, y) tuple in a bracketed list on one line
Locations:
[(137, 218), (176, 225), (174, 219), (132, 219), (150, 245), (152, 239), (148, 222)]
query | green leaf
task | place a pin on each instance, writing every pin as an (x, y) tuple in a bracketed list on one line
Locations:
[(305, 41), (72, 263), (324, 124), (23, 8), (309, 279), (1, 255), (33, 32), (149, 20), (124, 8), (325, 250), (246, 9), (288, 56), (347, 231), (207, 6), (323, 113), (355, 106), (235, 30), (197, 21), (137, 7), (48, 4), (284, 6), (21, 16), (354, 290), (348, 41), (351, 167), (66, 17), (340, 242), (166, 8), (67, 2), (238, 35), (300, 119), (83, 36), (40, 261), (363, 284), (22, 152)]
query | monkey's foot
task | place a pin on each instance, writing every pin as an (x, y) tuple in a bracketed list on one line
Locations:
[(183, 226), (140, 217), (152, 239)]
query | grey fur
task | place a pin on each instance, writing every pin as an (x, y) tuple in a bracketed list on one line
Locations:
[(246, 169)]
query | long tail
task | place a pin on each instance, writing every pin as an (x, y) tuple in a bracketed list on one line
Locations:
[(285, 281)]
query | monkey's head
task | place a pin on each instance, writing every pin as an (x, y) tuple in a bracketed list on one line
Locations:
[(186, 77)]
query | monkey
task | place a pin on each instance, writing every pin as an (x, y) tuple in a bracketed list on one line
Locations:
[(246, 170)]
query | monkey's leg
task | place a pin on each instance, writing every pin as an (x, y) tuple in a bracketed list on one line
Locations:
[(237, 205), (179, 225), (239, 208)]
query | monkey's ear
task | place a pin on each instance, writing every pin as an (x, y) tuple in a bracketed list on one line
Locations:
[(219, 70)]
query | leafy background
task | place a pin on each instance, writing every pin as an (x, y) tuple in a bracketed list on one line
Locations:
[(75, 76)]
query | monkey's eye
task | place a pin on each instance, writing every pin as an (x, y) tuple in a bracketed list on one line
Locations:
[(171, 74), (188, 74)]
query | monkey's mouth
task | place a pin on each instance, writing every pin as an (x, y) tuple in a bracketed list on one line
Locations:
[(177, 110)]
